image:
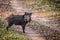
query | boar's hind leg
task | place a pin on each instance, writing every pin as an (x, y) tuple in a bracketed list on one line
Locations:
[(9, 25)]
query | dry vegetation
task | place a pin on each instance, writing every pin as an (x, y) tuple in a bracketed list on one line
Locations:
[(49, 15), (45, 31)]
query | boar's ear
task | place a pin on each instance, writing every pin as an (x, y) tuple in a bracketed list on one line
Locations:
[(25, 12)]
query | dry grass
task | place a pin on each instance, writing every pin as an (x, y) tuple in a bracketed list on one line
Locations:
[(45, 14), (5, 14)]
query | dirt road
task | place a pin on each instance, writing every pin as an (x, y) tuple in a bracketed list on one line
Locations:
[(20, 9), (30, 33)]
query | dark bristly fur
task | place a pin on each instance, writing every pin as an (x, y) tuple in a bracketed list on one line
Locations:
[(19, 20)]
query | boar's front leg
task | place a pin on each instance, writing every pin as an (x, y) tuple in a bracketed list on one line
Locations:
[(23, 27), (9, 25)]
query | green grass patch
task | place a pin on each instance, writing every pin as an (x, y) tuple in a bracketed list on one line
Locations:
[(36, 24), (9, 35), (58, 13)]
